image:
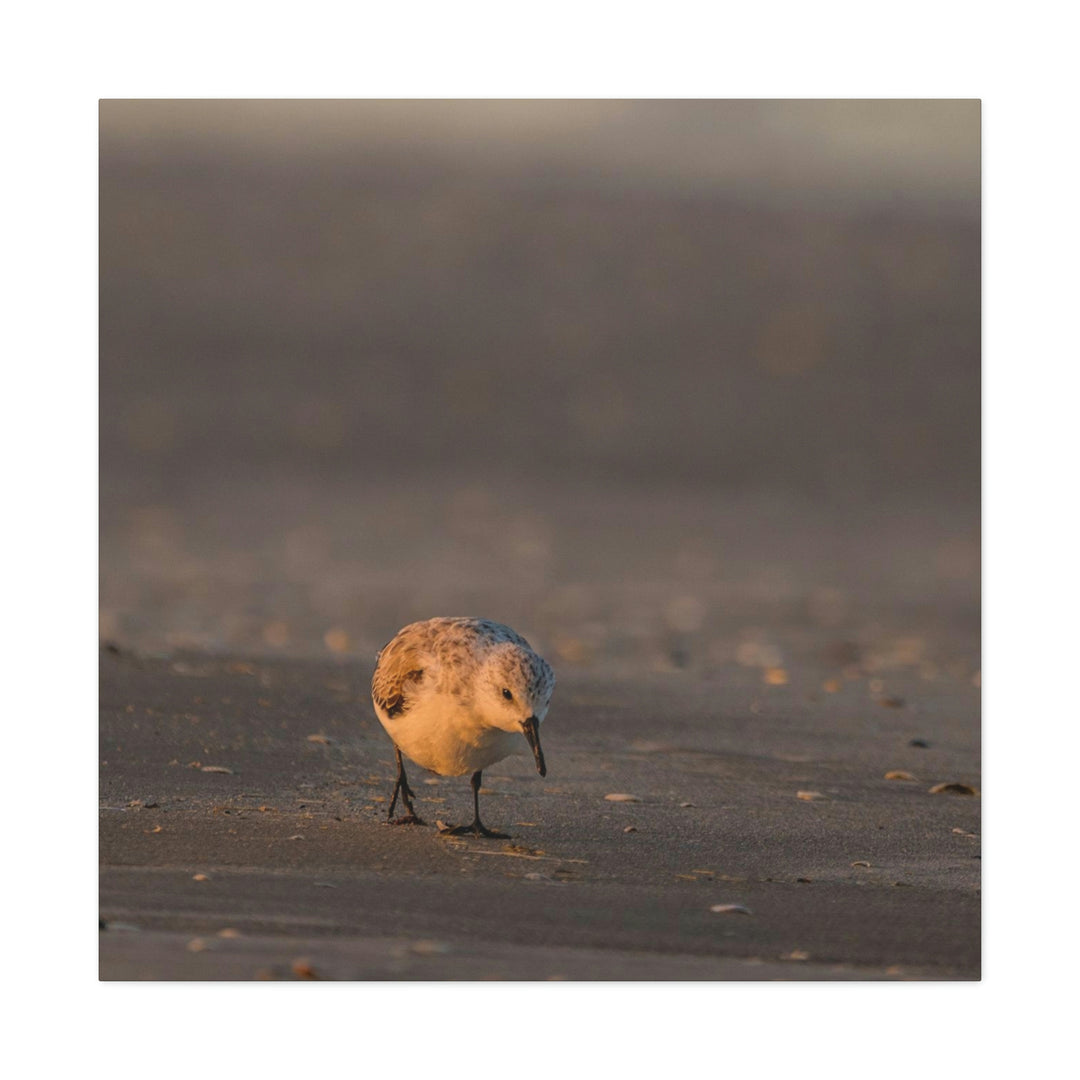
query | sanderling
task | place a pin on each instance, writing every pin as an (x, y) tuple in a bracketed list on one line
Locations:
[(456, 695)]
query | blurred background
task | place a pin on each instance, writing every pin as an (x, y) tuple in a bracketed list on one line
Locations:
[(672, 385)]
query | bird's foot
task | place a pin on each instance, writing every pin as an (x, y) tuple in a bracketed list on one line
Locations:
[(408, 819), (477, 828)]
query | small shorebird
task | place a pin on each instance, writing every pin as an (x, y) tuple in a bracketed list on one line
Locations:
[(457, 695)]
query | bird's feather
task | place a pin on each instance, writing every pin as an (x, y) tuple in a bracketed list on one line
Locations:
[(399, 670)]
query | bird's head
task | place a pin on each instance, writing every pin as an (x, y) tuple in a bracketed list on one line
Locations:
[(515, 692)]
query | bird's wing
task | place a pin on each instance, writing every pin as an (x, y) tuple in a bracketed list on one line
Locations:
[(400, 667)]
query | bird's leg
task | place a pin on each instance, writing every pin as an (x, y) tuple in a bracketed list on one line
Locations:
[(402, 786), (477, 826)]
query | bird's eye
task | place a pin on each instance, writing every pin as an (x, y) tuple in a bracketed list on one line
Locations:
[(508, 695)]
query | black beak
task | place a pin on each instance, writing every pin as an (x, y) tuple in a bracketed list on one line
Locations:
[(531, 727)]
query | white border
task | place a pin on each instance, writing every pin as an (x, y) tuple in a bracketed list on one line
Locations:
[(64, 59)]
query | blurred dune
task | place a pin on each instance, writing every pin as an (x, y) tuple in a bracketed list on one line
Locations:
[(511, 347), (913, 152)]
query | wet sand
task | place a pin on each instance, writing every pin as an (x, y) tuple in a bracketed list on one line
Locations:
[(867, 879), (710, 441)]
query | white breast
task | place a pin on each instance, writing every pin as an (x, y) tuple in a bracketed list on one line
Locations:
[(439, 734)]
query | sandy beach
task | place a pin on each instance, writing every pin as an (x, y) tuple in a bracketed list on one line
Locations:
[(686, 393), (242, 834)]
